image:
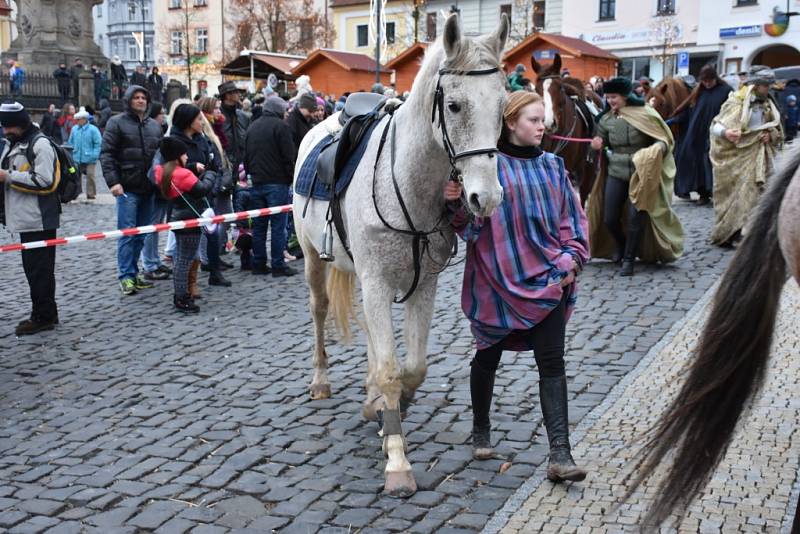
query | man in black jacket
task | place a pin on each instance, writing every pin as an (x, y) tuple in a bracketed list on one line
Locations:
[(301, 117), (130, 141), (269, 159), (236, 122), (64, 79)]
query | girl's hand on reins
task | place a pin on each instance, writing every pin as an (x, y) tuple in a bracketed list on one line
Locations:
[(452, 191), (597, 143)]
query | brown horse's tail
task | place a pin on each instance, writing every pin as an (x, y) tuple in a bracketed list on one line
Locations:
[(729, 363)]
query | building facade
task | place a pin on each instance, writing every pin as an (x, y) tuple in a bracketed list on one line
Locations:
[(118, 29), (191, 41), (352, 22), (6, 25), (748, 32)]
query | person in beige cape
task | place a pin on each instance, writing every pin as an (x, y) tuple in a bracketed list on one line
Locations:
[(745, 137), (643, 171)]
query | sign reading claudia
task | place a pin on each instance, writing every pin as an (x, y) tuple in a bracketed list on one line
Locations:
[(740, 31), (625, 36)]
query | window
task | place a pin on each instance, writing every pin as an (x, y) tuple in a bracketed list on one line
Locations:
[(200, 3), (201, 40), (538, 14), (634, 67), (430, 27), (744, 3), (362, 35), (174, 4), (506, 8), (133, 50), (390, 33), (176, 43), (665, 7), (132, 11), (100, 11), (607, 9), (306, 33)]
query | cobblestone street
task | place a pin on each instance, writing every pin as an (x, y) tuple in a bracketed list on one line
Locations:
[(132, 418)]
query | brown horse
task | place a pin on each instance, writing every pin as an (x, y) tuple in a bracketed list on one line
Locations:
[(730, 362), (667, 96), (567, 119)]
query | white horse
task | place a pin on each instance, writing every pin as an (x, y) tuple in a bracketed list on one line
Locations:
[(461, 82)]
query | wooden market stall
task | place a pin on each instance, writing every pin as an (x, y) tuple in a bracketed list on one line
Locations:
[(583, 60), (335, 72), (406, 65)]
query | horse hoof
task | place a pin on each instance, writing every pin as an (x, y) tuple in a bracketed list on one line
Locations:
[(320, 391), (400, 484)]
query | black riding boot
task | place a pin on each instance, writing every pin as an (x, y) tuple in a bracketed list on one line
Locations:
[(481, 386), (635, 224), (553, 397)]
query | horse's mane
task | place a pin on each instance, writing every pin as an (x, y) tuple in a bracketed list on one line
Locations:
[(574, 87), (475, 53)]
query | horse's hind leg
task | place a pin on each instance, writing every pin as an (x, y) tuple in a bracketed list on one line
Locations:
[(418, 315), (316, 271)]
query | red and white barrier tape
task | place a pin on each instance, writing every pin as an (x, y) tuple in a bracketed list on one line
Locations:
[(177, 225)]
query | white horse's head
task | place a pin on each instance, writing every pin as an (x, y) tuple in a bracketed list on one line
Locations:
[(472, 108)]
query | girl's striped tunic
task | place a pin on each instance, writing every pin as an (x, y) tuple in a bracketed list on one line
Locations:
[(517, 258)]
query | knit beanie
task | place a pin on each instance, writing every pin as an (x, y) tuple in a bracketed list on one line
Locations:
[(618, 86), (184, 115), (13, 114), (171, 148)]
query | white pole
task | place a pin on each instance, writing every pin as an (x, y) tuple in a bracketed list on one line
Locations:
[(252, 74)]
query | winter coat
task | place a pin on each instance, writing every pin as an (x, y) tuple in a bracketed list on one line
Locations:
[(118, 74), (129, 144), (199, 149), (694, 166), (103, 114), (235, 128), (138, 78), (622, 141), (86, 142), (64, 79), (155, 83), (187, 194), (30, 198), (299, 126), (270, 152), (50, 128)]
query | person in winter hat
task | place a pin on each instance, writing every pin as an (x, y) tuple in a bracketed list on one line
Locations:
[(187, 193), (31, 208), (86, 141)]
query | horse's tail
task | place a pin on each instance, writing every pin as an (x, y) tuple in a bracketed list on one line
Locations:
[(729, 363), (341, 289)]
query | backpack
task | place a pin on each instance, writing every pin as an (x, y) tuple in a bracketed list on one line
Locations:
[(69, 178)]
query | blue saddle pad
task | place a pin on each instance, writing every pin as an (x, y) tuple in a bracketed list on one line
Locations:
[(308, 170)]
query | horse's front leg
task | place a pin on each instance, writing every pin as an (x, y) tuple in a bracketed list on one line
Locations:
[(377, 296), (418, 315)]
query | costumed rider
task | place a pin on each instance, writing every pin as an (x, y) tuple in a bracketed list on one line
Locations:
[(745, 138), (630, 214)]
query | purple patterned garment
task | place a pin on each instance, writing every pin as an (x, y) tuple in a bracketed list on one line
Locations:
[(517, 258)]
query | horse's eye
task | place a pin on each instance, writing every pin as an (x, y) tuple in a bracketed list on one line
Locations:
[(452, 106)]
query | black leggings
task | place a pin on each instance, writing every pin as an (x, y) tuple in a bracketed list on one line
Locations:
[(547, 340), (616, 200)]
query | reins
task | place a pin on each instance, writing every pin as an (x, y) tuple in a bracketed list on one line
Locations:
[(420, 242)]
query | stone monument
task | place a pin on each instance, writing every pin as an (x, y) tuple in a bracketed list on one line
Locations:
[(52, 31)]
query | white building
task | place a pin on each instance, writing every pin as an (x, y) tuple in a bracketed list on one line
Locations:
[(482, 16), (745, 35), (647, 35), (118, 26)]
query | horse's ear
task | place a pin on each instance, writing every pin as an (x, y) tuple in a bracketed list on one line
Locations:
[(500, 35), (663, 88), (557, 64), (535, 65), (451, 37)]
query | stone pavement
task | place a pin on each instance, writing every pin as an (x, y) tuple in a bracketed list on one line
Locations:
[(131, 418), (750, 490)]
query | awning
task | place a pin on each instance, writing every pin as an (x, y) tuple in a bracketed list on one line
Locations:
[(264, 64)]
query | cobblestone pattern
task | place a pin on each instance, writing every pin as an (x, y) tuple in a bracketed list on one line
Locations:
[(750, 491), (131, 418)]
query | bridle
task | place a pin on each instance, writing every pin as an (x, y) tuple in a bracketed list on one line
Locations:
[(420, 241), (562, 141), (438, 106)]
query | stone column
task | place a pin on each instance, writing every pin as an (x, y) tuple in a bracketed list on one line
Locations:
[(51, 31), (86, 90)]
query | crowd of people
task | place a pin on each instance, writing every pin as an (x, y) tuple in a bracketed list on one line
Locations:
[(201, 156)]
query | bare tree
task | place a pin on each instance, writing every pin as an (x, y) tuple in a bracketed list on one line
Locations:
[(285, 26)]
